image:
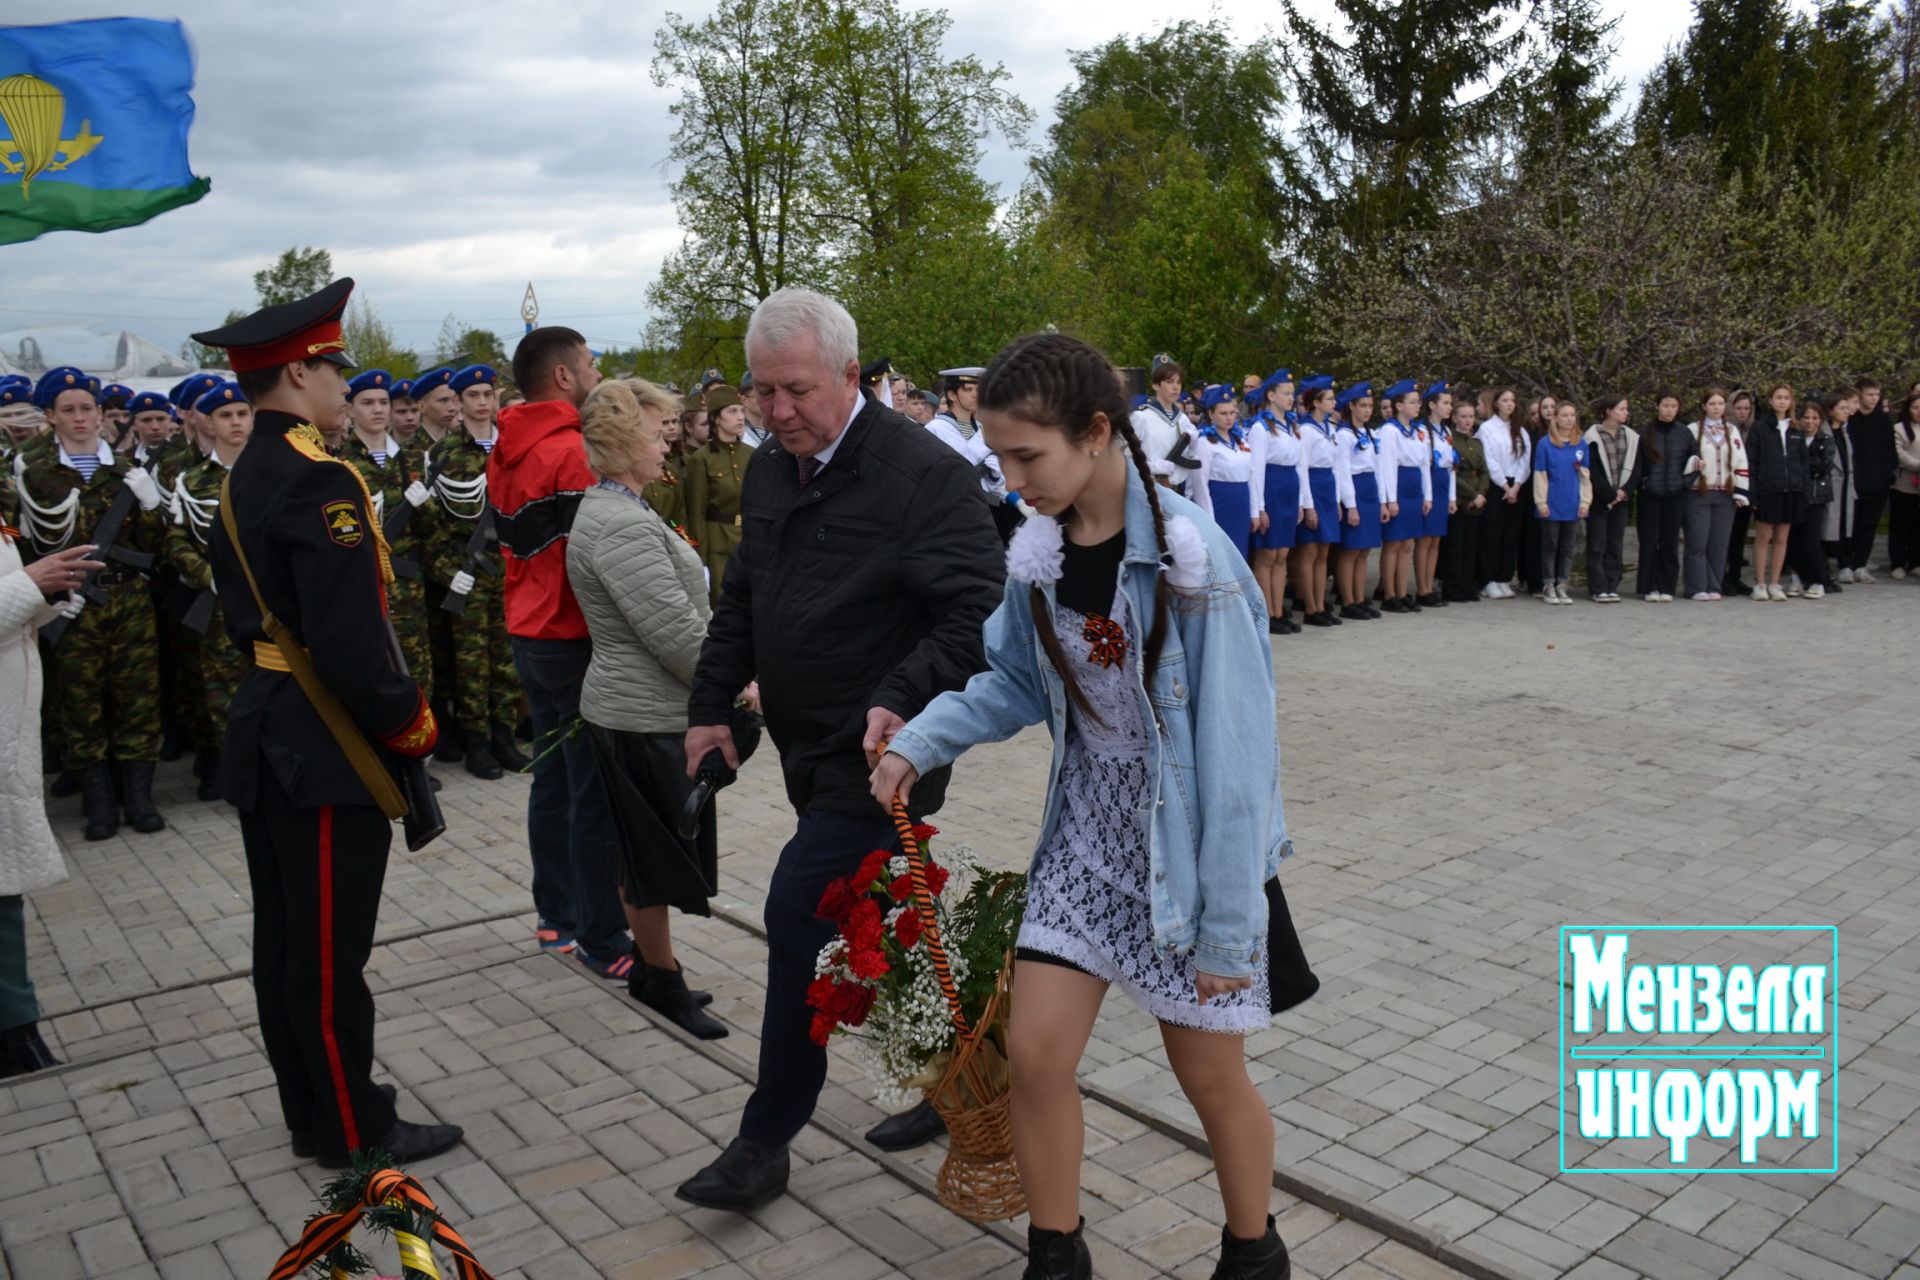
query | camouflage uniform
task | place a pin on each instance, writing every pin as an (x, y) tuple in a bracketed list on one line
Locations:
[(407, 597), (104, 692), (183, 699), (219, 665), (712, 491), (444, 678), (486, 686)]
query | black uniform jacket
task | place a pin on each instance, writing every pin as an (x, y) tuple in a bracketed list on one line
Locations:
[(309, 537), (868, 588)]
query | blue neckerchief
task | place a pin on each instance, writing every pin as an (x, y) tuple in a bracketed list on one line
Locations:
[(1237, 431), (1363, 439), (1408, 429), (1172, 415), (1325, 427)]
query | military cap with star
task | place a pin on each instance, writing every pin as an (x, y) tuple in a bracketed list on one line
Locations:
[(149, 402), (220, 397), (710, 377), (55, 381), (474, 375), (870, 374), (371, 380), (289, 332)]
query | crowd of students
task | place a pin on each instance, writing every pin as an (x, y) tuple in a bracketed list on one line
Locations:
[(1464, 494)]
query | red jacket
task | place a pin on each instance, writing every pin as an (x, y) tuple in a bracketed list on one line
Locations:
[(535, 478)]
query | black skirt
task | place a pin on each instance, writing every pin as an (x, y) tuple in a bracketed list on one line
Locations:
[(645, 775), (1781, 508)]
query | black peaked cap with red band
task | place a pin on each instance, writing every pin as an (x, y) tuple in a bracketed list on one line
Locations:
[(305, 329)]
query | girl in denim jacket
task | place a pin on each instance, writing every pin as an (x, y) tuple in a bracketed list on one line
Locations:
[(1136, 631)]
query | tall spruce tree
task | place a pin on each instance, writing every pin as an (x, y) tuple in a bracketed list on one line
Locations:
[(1564, 111)]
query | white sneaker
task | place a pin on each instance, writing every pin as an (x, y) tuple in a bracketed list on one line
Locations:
[(1550, 593), (1490, 592), (1701, 596), (1863, 575), (1794, 588), (1761, 594), (1564, 597), (1845, 576), (1898, 574), (1816, 592), (1776, 592)]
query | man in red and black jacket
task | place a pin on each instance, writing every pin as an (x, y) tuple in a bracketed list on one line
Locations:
[(535, 478)]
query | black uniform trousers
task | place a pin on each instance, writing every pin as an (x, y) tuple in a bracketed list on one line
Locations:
[(1857, 546), (316, 875), (1903, 530), (1460, 578), (1500, 536), (1606, 546), (1661, 516), (793, 1068)]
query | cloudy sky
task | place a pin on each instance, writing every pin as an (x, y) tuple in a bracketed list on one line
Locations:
[(448, 153)]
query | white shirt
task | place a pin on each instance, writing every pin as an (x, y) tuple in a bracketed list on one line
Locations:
[(826, 455), (1327, 452), (1405, 446), (946, 428), (1363, 453), (1158, 434), (1283, 448), (1228, 463), (1505, 466)]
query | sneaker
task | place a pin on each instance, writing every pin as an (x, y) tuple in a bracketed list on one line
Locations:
[(1845, 575), (1701, 597), (1760, 593), (1490, 592), (1897, 574), (1713, 595), (1776, 592), (1561, 594), (1816, 592), (613, 969), (1863, 574)]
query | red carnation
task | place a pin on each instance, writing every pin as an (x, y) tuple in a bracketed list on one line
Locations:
[(836, 903), (936, 878), (872, 869), (924, 833), (821, 1031), (820, 991), (901, 889), (907, 929), (852, 1005)]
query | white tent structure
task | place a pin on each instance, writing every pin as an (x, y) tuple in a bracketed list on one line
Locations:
[(112, 355)]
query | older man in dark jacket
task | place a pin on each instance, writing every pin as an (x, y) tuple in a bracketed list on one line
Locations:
[(868, 565)]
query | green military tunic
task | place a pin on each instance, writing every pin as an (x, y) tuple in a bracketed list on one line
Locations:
[(218, 664), (407, 599), (668, 495), (486, 687), (712, 492), (103, 668), (1469, 470)]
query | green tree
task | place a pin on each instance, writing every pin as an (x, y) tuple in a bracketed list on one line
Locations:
[(370, 342), (204, 357), (460, 344), (1564, 110), (297, 273)]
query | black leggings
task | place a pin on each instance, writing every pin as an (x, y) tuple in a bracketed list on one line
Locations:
[(1805, 554), (1500, 537), (1661, 516)]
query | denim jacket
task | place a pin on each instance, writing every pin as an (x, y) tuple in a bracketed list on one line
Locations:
[(1218, 831)]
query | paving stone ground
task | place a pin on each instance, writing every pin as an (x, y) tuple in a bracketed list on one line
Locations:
[(1459, 785)]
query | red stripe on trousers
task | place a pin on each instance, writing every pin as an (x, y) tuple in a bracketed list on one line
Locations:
[(334, 1067)]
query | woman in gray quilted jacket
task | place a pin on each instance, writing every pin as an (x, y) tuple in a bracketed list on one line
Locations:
[(643, 589)]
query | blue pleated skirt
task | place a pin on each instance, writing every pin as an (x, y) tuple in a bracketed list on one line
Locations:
[(1233, 510), (1410, 521), (1326, 501), (1435, 525), (1283, 497), (1364, 536)]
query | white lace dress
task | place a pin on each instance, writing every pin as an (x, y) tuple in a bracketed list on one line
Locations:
[(1087, 898)]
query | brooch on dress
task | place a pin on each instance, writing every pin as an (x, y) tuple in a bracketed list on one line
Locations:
[(1109, 641)]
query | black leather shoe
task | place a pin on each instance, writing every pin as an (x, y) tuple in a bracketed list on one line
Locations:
[(103, 811), (1395, 605), (747, 1175), (1058, 1255), (1319, 620), (140, 813), (914, 1127), (511, 758), (1262, 1259), (665, 991), (302, 1139), (1358, 612), (23, 1051), (479, 755), (407, 1143)]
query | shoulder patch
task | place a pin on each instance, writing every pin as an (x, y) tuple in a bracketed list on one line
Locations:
[(343, 523)]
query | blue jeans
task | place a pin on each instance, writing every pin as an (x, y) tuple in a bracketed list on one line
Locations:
[(576, 879), (793, 1068)]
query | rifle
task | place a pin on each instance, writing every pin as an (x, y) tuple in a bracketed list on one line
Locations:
[(105, 537), (395, 524), (423, 823), (475, 559), (199, 614)]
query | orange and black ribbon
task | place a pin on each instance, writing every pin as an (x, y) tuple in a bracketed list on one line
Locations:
[(929, 918), (330, 1229), (1109, 641)]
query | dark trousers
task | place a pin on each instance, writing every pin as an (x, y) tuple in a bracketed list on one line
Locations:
[(1606, 546), (1857, 547), (570, 833), (1460, 555), (316, 876), (1556, 549), (1903, 531), (17, 1004), (1660, 520), (825, 846), (1736, 551), (1529, 567), (1500, 537), (1806, 555)]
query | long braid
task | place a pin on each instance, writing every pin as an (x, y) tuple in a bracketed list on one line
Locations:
[(1157, 633)]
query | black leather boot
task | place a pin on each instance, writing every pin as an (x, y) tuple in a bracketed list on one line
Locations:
[(1058, 1255), (22, 1050), (510, 756), (141, 815), (209, 788), (665, 991), (447, 750), (65, 783), (479, 755), (1262, 1259), (96, 791)]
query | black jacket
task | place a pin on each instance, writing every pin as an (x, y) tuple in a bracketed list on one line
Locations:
[(309, 539), (1873, 456), (1664, 450), (1820, 460), (1774, 467), (869, 588)]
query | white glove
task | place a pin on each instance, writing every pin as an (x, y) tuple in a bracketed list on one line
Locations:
[(417, 494), (461, 584), (75, 603), (143, 488)]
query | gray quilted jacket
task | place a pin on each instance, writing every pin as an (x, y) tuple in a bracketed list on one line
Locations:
[(644, 594)]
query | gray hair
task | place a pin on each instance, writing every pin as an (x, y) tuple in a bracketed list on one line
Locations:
[(785, 314)]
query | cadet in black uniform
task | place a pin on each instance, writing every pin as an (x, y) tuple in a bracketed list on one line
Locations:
[(315, 835)]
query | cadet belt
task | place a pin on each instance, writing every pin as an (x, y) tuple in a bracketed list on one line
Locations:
[(267, 656), (115, 578)]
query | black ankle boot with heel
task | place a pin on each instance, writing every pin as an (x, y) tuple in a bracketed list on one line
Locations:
[(1058, 1255), (665, 991), (1262, 1259)]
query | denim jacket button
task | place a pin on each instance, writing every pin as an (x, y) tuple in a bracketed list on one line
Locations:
[(1159, 877), (1179, 690), (1255, 957)]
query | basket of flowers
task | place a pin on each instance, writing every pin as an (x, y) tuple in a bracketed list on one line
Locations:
[(918, 974)]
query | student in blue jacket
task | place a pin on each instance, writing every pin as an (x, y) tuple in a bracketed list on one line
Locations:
[(1135, 630)]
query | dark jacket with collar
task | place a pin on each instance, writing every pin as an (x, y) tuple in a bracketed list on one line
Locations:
[(1775, 465), (1664, 450), (1873, 456), (869, 588)]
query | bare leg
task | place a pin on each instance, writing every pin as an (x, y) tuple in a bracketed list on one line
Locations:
[(1212, 1070), (1263, 574), (1053, 1012), (652, 935), (1422, 568), (1277, 576), (1779, 560)]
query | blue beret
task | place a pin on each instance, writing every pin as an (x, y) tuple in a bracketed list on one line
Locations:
[(55, 381), (15, 393), (1358, 391), (401, 389), (15, 379), (1257, 398), (115, 391), (1218, 394), (1403, 387), (1318, 382), (222, 395), (1437, 388), (191, 389), (1140, 402), (150, 402), (371, 380), (430, 381), (474, 375)]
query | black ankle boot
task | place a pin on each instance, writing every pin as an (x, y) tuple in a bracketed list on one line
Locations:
[(65, 783), (209, 788), (1262, 1259), (479, 755), (665, 991), (511, 758), (96, 791), (141, 815), (447, 750), (1058, 1255), (22, 1050)]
